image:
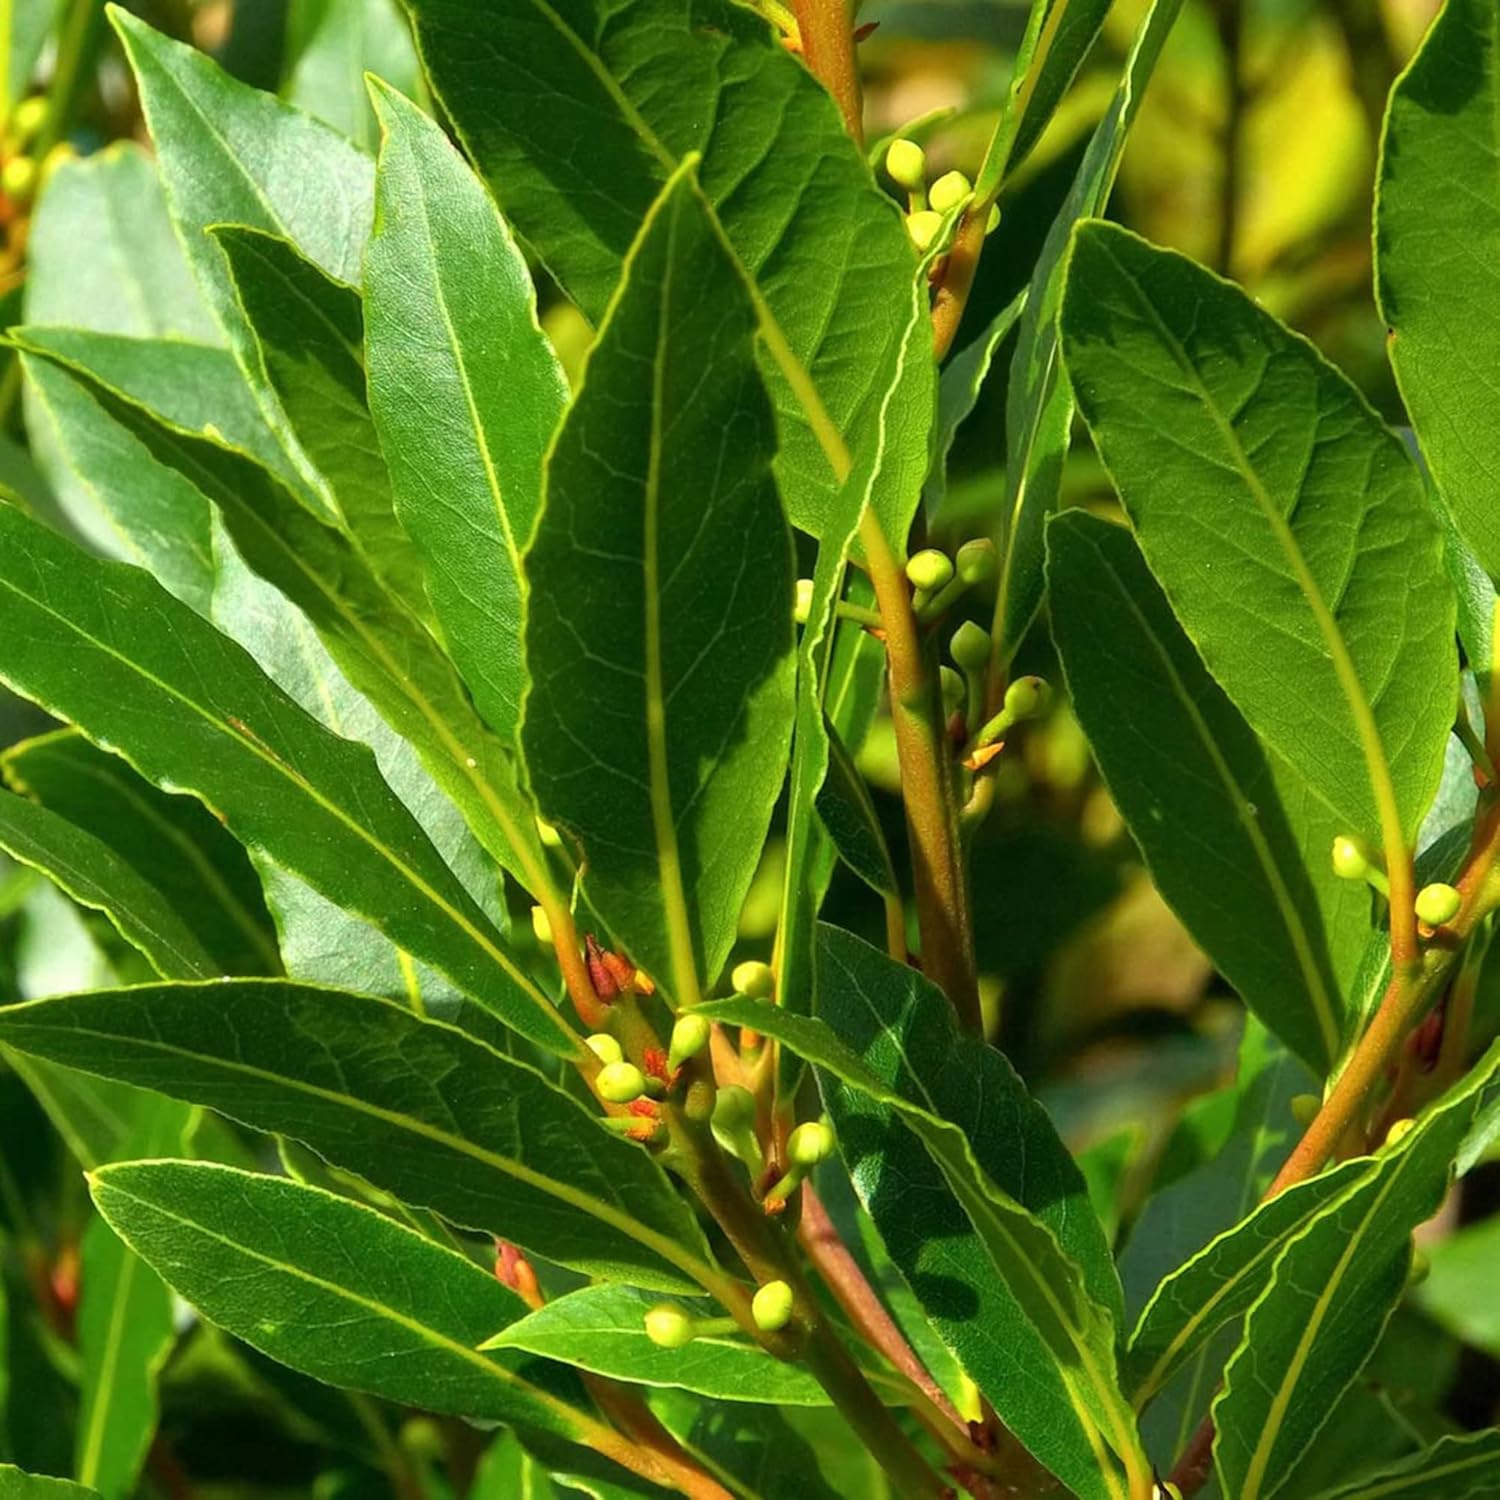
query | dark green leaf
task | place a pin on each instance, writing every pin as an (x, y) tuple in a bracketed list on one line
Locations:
[(1437, 217), (849, 816), (1456, 1468), (659, 613), (414, 1106), (280, 1265), (174, 842), (999, 1242), (103, 646), (825, 246), (310, 332), (1039, 400), (95, 876), (1268, 498), (602, 1328), (1234, 839), (465, 390), (16, 1485), (1332, 1289)]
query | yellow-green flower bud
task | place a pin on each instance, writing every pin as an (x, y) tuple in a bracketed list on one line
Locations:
[(771, 1307), (924, 226), (18, 179), (949, 191), (620, 1082), (604, 1047), (1351, 858), (1399, 1128), (734, 1109), (970, 647), (753, 979), (689, 1037), (29, 117), (541, 925), (906, 164), (929, 569), (1438, 903), (668, 1327), (1027, 697), (977, 561), (1305, 1108), (809, 1144), (803, 606)]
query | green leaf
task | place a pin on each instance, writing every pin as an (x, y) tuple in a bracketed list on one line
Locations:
[(95, 876), (1437, 224), (1457, 1291), (1270, 502), (1039, 400), (333, 44), (1455, 1468), (174, 842), (413, 1105), (825, 246), (102, 254), (659, 609), (281, 1265), (758, 1447), (23, 34), (988, 1218), (15, 1484), (103, 646), (602, 1328), (310, 332), (465, 390), (848, 814), (1331, 1291), (125, 1331), (1232, 836), (387, 653)]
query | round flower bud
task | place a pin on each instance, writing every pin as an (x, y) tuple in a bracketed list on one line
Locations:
[(924, 227), (1305, 1108), (771, 1307), (949, 191), (1398, 1129), (803, 607), (689, 1037), (668, 1327), (970, 647), (734, 1109), (1351, 859), (977, 561), (1438, 903), (753, 979), (906, 164), (620, 1082), (953, 689), (18, 179), (1026, 697), (29, 117), (809, 1144), (541, 925), (604, 1047), (929, 569)]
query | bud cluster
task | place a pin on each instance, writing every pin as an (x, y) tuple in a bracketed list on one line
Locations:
[(929, 210)]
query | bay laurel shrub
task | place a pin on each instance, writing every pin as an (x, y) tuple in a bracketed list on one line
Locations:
[(490, 689)]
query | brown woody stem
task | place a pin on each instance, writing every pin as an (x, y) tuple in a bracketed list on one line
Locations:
[(828, 49)]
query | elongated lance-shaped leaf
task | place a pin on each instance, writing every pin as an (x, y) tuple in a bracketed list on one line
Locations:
[(659, 612), (125, 1329), (998, 1241), (174, 843), (1233, 837), (603, 1329), (849, 817), (103, 646), (1038, 399), (825, 246), (16, 1484), (259, 162), (94, 875), (1268, 497), (413, 1105), (1454, 1468), (309, 329), (1331, 1291), (1437, 231), (332, 45), (465, 390), (385, 650), (279, 1264)]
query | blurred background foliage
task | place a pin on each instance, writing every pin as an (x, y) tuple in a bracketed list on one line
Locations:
[(1255, 153)]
